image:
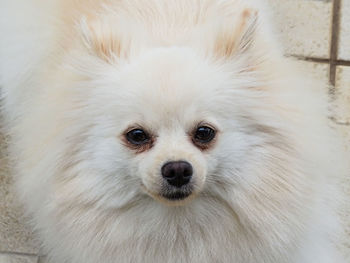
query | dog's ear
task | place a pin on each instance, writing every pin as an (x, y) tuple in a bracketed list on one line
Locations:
[(237, 39), (102, 40)]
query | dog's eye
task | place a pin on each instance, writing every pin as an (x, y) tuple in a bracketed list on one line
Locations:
[(137, 137), (204, 134)]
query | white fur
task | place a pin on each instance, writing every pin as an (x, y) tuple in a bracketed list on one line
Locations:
[(76, 74)]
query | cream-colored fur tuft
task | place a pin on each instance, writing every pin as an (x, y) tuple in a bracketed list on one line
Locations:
[(78, 76)]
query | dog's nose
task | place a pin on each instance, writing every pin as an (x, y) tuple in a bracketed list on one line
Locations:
[(177, 173)]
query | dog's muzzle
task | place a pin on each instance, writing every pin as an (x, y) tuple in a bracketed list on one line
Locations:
[(177, 180)]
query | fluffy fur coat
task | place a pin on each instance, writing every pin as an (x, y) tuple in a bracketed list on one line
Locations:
[(76, 74)]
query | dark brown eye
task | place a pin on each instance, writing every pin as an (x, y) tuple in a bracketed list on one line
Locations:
[(204, 134), (137, 137)]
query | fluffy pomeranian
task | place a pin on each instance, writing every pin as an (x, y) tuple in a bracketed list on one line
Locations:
[(161, 131)]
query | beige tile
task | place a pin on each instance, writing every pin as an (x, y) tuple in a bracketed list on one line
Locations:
[(304, 26), (344, 44), (318, 71), (15, 236), (9, 258), (342, 96), (43, 259), (344, 212), (344, 133)]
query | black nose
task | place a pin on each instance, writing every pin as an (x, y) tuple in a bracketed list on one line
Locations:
[(177, 173)]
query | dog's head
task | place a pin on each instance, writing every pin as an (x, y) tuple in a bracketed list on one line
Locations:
[(170, 121), (158, 122), (170, 125)]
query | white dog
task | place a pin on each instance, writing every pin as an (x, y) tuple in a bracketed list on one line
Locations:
[(166, 131)]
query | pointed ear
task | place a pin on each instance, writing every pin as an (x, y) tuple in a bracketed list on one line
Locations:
[(102, 40), (237, 39)]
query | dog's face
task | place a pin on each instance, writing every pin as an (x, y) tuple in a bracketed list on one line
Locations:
[(168, 124), (171, 122), (164, 124)]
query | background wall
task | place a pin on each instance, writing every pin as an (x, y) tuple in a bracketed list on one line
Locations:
[(316, 31)]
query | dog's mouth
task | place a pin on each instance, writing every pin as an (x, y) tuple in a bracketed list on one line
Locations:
[(176, 196), (173, 196)]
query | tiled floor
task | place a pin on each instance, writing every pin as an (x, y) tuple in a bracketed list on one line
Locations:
[(316, 31)]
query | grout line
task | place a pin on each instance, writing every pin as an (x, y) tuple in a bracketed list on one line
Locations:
[(344, 123), (338, 62), (342, 62), (18, 254), (334, 42), (312, 59)]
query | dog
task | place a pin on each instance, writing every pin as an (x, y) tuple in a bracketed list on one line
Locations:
[(167, 131)]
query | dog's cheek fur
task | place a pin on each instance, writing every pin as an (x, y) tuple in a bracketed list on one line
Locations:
[(277, 170)]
